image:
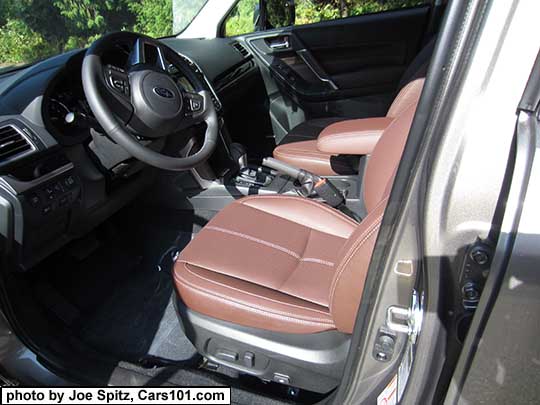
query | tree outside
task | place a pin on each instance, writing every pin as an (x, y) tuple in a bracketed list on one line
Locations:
[(34, 29), (310, 11)]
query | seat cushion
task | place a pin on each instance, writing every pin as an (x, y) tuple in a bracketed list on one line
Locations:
[(305, 155), (267, 262)]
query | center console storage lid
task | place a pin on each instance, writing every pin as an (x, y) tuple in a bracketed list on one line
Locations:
[(352, 137)]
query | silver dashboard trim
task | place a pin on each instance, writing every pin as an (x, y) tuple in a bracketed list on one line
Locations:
[(33, 147)]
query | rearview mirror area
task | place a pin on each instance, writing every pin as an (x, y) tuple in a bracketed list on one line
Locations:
[(280, 13)]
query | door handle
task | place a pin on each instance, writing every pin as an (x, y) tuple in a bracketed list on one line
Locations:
[(317, 70), (279, 45)]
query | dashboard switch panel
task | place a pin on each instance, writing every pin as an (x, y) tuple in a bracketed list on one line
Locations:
[(58, 195)]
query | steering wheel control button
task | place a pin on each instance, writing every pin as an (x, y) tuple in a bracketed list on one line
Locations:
[(196, 105), (118, 79)]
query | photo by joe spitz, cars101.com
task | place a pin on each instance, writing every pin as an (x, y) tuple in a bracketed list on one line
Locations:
[(269, 202)]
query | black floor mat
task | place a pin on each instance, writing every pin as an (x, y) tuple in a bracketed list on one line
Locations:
[(123, 289), (139, 319)]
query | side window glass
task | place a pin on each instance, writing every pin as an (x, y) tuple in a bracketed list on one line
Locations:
[(242, 18), (313, 11)]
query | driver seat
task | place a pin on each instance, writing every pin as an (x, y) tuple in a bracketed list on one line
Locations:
[(272, 284)]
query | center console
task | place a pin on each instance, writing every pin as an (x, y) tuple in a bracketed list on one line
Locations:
[(246, 179)]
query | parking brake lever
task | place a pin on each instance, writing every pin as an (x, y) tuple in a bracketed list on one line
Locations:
[(309, 183)]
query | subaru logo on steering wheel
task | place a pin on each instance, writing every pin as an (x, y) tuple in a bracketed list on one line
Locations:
[(163, 92)]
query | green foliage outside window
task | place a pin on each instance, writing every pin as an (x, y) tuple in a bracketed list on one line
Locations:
[(240, 20), (34, 29)]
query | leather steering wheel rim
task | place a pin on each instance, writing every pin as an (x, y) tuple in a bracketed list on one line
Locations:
[(93, 81)]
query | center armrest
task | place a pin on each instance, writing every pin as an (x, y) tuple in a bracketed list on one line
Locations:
[(352, 137)]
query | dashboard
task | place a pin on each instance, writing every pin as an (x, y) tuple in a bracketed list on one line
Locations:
[(53, 185)]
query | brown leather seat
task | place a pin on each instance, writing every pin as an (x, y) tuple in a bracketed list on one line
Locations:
[(312, 155), (289, 264)]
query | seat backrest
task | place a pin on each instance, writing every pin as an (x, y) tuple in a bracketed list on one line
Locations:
[(409, 88), (419, 65), (348, 283), (408, 95)]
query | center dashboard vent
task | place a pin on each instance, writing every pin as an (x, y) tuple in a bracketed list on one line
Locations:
[(240, 48), (13, 143)]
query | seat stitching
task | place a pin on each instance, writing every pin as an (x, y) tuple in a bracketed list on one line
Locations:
[(249, 293), (342, 268), (296, 267), (312, 159), (259, 311), (322, 157), (270, 245), (365, 134), (404, 92), (408, 105), (304, 201), (320, 261), (254, 308), (355, 247), (254, 239), (290, 147)]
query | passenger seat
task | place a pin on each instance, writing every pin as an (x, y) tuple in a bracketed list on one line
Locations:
[(325, 145)]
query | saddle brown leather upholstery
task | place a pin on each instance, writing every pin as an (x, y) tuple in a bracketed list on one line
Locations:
[(290, 264)]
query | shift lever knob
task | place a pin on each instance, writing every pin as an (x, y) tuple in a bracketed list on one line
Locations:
[(239, 155)]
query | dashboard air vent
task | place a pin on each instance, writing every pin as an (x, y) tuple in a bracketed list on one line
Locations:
[(13, 143), (240, 48)]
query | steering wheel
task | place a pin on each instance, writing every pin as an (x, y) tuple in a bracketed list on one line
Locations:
[(144, 102)]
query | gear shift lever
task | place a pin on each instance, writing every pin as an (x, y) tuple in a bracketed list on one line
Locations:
[(239, 155), (247, 176)]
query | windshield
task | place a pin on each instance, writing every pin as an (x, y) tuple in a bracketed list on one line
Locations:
[(31, 30)]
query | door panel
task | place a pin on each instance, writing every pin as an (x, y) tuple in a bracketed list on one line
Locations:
[(348, 67)]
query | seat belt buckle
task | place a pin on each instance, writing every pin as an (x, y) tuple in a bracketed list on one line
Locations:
[(329, 193)]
